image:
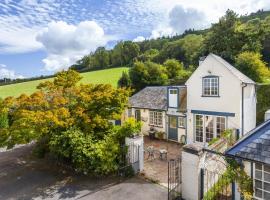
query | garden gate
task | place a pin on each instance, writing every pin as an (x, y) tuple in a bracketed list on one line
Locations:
[(174, 179), (130, 159), (215, 181)]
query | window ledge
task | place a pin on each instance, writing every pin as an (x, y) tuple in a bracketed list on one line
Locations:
[(155, 126), (209, 96)]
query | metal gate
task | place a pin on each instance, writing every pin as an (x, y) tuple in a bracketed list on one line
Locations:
[(216, 182), (174, 179), (130, 159)]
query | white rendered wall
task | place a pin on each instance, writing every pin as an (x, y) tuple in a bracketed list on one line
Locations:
[(229, 100), (249, 108)]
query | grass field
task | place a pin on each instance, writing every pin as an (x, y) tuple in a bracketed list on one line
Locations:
[(110, 76)]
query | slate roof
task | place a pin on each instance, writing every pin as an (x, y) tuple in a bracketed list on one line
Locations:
[(233, 70), (155, 98), (254, 146)]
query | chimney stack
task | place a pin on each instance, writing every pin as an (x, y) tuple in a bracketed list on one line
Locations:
[(267, 115), (201, 59)]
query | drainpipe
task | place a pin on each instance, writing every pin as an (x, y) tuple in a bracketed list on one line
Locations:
[(186, 127), (243, 87)]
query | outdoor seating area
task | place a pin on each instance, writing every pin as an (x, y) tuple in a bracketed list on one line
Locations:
[(157, 153)]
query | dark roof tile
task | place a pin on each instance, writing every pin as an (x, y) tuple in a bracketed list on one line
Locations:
[(156, 98)]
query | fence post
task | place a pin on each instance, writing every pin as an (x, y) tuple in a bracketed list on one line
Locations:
[(233, 190), (169, 180), (202, 183)]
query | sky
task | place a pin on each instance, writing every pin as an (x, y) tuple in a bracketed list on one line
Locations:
[(41, 37)]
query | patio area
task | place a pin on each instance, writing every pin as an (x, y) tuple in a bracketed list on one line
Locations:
[(155, 164)]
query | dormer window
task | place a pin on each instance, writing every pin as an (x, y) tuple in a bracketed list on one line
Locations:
[(210, 86), (173, 97)]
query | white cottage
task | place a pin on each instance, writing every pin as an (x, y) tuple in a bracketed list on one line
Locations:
[(219, 97), (216, 97)]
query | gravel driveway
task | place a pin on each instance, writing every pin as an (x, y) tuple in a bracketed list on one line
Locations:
[(25, 177)]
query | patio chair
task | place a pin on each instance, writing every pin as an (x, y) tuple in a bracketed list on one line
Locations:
[(163, 154), (150, 150)]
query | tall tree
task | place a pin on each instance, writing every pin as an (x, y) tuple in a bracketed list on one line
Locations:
[(252, 65), (102, 58), (173, 68), (224, 38), (124, 81)]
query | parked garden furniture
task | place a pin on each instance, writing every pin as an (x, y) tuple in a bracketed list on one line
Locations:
[(152, 133), (150, 150), (163, 154)]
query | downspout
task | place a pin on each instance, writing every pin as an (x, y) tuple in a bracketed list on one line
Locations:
[(186, 127), (243, 87)]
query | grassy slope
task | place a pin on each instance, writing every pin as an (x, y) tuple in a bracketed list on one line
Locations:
[(110, 76)]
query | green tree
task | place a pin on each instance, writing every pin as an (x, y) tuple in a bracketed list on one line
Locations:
[(130, 51), (173, 68), (124, 81), (148, 73), (102, 58), (224, 39), (252, 65), (170, 50), (117, 58), (192, 47), (69, 120), (148, 55)]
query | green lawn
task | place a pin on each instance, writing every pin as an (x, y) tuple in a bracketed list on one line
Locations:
[(110, 76)]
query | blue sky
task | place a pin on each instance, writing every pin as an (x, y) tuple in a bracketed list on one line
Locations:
[(44, 36)]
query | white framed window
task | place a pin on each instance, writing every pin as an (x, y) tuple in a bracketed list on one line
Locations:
[(210, 86), (173, 91), (173, 98), (199, 128), (261, 182), (181, 122), (208, 127), (220, 125), (155, 118)]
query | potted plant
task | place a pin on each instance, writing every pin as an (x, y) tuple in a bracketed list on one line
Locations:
[(160, 134)]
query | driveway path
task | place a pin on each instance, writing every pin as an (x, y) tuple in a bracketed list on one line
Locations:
[(24, 177)]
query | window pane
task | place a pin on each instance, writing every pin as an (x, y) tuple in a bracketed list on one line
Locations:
[(151, 117), (221, 122), (258, 193), (173, 122), (258, 175), (173, 91), (209, 128), (258, 166), (267, 168), (266, 186), (199, 128), (266, 195), (181, 122), (266, 177), (258, 184)]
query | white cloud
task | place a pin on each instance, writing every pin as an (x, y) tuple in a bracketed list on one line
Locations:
[(6, 73), (139, 39), (179, 15), (67, 43), (181, 19)]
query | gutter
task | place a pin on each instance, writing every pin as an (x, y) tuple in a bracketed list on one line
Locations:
[(242, 115)]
